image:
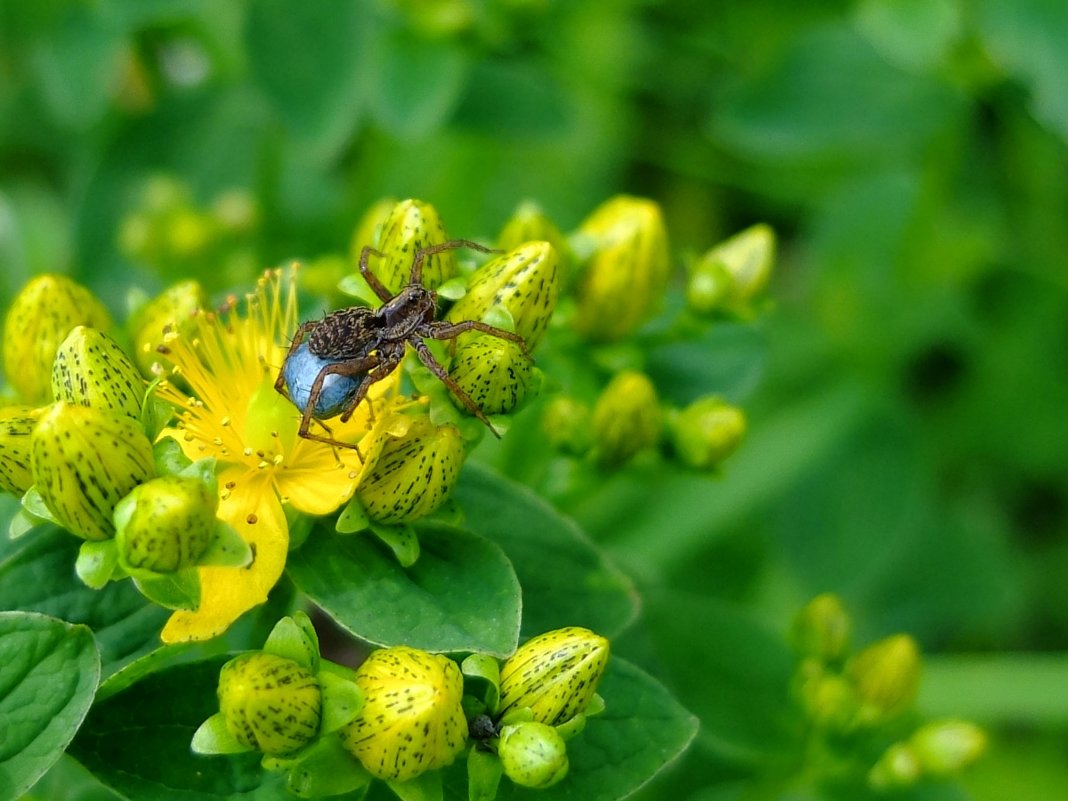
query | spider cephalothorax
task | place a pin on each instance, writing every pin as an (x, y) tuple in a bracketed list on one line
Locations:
[(362, 345)]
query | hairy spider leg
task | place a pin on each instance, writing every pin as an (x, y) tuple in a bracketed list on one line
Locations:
[(416, 276), (389, 358), (427, 358), (347, 368), (372, 280), (280, 382), (437, 329)]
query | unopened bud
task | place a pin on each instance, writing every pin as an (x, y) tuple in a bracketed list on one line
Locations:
[(729, 276), (828, 699), (533, 754), (821, 629), (412, 720), (944, 747), (411, 226), (270, 704), (494, 372), (166, 524), (529, 223), (170, 311), (886, 676), (555, 674), (626, 418), (568, 425), (897, 767), (39, 319), (369, 228), (16, 425), (84, 462), (91, 369), (706, 432), (235, 211)]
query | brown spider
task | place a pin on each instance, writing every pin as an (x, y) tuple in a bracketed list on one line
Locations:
[(359, 346)]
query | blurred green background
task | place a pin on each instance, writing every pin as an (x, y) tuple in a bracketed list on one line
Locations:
[(907, 393)]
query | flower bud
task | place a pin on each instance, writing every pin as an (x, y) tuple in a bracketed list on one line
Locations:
[(170, 311), (554, 674), (369, 228), (706, 432), (235, 211), (85, 461), (39, 319), (270, 704), (626, 418), (821, 629), (91, 369), (493, 371), (944, 747), (732, 274), (828, 699), (529, 224), (568, 425), (533, 754), (412, 720), (524, 281), (166, 524), (414, 473), (411, 226), (16, 425), (624, 279), (886, 676), (897, 767)]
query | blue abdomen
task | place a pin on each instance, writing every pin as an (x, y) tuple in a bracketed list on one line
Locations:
[(300, 372)]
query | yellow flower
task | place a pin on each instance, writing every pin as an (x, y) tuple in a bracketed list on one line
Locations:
[(230, 362)]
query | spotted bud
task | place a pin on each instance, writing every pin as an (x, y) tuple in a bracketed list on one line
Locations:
[(91, 369), (529, 224), (169, 311), (625, 277), (555, 674), (494, 372), (945, 747), (886, 676), (411, 226), (412, 720), (706, 432), (729, 276), (270, 704), (39, 319), (369, 228), (626, 418), (16, 425), (568, 425), (532, 754), (821, 629), (166, 524), (525, 282), (414, 473), (85, 461)]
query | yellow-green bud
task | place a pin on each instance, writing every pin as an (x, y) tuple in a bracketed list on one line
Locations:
[(270, 704), (706, 432), (624, 279), (414, 473), (235, 211), (189, 233), (92, 370), (412, 720), (821, 629), (369, 228), (169, 311), (944, 747), (532, 754), (85, 461), (530, 224), (524, 281), (493, 371), (886, 676), (166, 524), (39, 319), (734, 272), (568, 425), (829, 700), (897, 767), (626, 418), (412, 225), (16, 425), (555, 674)]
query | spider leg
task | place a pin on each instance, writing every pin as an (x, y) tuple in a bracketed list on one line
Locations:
[(452, 244), (389, 358), (368, 276), (298, 337), (346, 368), (427, 358), (437, 329)]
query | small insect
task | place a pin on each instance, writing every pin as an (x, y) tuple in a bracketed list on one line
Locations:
[(351, 349)]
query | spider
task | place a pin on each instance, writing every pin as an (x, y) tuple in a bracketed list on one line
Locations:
[(366, 345)]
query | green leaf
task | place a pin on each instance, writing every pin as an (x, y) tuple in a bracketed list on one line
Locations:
[(566, 580), (179, 590), (462, 594), (49, 674), (725, 359)]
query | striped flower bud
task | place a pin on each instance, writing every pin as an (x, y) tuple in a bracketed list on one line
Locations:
[(524, 281), (729, 276), (945, 747), (16, 425), (414, 473), (411, 720), (166, 524), (706, 432), (625, 277), (568, 425), (493, 371), (533, 754), (270, 704), (169, 311), (821, 629), (626, 418), (91, 369), (411, 226), (555, 674), (39, 319), (85, 461), (886, 676)]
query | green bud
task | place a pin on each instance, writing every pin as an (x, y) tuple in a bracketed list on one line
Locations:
[(493, 371), (706, 432), (821, 629), (414, 474), (235, 211), (944, 747), (16, 425), (625, 277), (568, 425), (91, 369), (412, 720), (166, 524), (189, 233), (411, 226), (530, 224), (533, 754), (169, 311), (369, 228), (555, 674), (270, 704), (886, 676), (39, 319), (524, 281), (897, 767), (829, 700), (626, 418), (85, 461), (729, 276)]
